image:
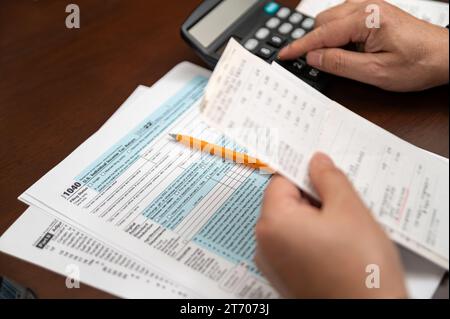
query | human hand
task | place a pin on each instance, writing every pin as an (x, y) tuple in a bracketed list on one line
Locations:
[(403, 54), (307, 252)]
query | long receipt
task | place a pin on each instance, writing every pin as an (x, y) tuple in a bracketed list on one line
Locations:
[(283, 124), (432, 11)]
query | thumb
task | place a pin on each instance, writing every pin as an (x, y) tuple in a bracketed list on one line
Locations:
[(330, 183), (359, 66)]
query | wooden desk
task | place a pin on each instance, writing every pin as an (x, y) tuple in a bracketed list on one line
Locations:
[(58, 86)]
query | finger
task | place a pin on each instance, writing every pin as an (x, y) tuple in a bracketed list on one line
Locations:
[(359, 66), (330, 183), (282, 195), (334, 34), (355, 1), (337, 12)]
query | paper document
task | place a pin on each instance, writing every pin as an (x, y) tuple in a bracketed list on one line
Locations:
[(188, 215), (432, 11), (283, 125), (131, 100), (58, 246), (49, 242)]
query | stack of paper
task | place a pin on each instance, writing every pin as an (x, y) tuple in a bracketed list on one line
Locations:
[(172, 212), (140, 216)]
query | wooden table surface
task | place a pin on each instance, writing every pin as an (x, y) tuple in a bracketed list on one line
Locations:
[(58, 85)]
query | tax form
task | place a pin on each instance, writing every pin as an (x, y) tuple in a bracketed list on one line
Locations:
[(432, 11), (48, 241), (283, 125), (188, 216)]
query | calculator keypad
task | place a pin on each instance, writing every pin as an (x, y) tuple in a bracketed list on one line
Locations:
[(283, 13), (273, 23), (265, 53), (295, 18), (298, 33), (313, 73), (283, 26), (262, 34), (251, 44), (308, 23), (277, 41)]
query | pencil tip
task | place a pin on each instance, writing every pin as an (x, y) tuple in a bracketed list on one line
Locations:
[(174, 136)]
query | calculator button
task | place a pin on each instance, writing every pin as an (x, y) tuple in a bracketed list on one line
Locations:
[(314, 74), (251, 44), (283, 13), (298, 65), (262, 33), (265, 53), (308, 23), (295, 18), (298, 33), (272, 23), (285, 28), (276, 41), (271, 8)]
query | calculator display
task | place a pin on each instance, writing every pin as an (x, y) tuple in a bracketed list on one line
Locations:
[(219, 20)]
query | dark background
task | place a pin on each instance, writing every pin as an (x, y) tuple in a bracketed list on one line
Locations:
[(59, 85)]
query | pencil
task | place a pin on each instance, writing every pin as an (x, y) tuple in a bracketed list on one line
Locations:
[(220, 151)]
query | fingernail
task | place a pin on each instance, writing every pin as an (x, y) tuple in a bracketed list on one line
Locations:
[(283, 52), (314, 58), (322, 160)]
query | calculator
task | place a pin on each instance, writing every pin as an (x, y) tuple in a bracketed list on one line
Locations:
[(262, 27)]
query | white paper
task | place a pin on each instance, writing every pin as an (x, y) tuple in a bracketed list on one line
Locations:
[(180, 212), (432, 11), (283, 125), (138, 92), (44, 240)]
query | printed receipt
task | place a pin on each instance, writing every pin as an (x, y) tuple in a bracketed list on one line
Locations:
[(282, 124)]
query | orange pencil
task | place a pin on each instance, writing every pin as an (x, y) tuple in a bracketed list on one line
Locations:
[(220, 151)]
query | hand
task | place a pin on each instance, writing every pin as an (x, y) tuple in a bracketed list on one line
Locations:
[(403, 54), (306, 252)]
